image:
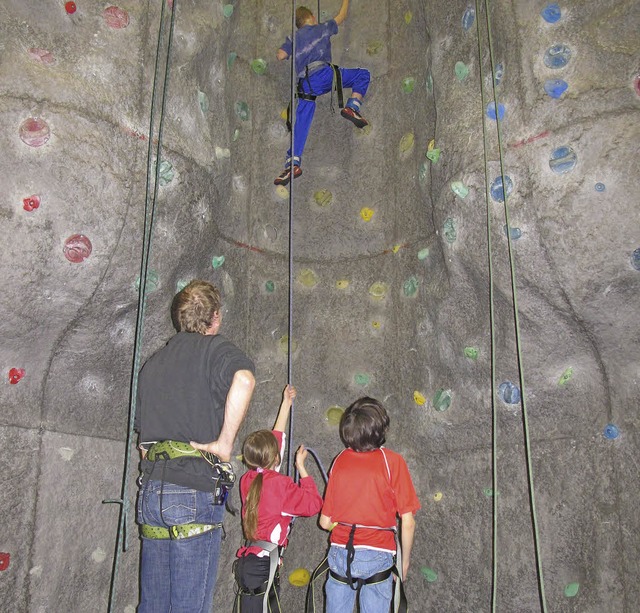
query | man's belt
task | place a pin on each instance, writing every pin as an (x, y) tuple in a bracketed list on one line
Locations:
[(182, 531)]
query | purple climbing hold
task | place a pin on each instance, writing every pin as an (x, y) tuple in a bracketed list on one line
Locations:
[(555, 87)]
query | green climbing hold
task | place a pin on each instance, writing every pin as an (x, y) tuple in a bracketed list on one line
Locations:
[(236, 135), (259, 66), (378, 289), (408, 83), (153, 281), (488, 492), (362, 378), (166, 172), (429, 574), (203, 101), (227, 10), (432, 154), (571, 590), (471, 353), (461, 70), (283, 344), (231, 58), (374, 47), (408, 16), (449, 230), (308, 278), (323, 197), (459, 189), (423, 254), (410, 286), (423, 172), (566, 375), (429, 83), (270, 286), (181, 284), (406, 142), (217, 261), (242, 110), (442, 400)]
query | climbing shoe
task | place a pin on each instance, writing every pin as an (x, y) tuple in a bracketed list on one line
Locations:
[(354, 117), (284, 177)]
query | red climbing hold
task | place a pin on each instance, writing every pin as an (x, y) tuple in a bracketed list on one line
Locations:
[(42, 55), (70, 7), (5, 558), (34, 132), (31, 203), (636, 84), (77, 248), (115, 17), (15, 374)]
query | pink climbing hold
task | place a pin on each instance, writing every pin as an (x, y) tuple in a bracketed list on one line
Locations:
[(70, 7), (636, 84), (34, 132), (43, 56), (77, 248), (5, 559), (116, 17), (31, 203), (15, 374)]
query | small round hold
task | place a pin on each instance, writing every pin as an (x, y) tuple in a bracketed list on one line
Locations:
[(299, 577), (70, 7), (31, 203), (551, 13), (509, 393), (611, 432), (77, 248), (34, 132), (600, 187), (437, 496), (15, 374), (635, 259)]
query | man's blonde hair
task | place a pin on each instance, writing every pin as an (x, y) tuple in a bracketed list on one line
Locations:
[(303, 14), (193, 308)]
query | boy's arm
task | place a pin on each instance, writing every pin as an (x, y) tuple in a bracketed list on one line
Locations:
[(281, 54), (325, 522), (342, 15), (288, 395), (407, 530)]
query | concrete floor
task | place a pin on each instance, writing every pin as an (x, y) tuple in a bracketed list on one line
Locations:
[(390, 304)]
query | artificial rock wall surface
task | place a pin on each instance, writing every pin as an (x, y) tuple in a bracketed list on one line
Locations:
[(391, 269)]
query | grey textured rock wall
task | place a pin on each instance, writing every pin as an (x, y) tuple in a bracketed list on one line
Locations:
[(384, 306)]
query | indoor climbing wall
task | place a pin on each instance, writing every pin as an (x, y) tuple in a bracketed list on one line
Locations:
[(391, 277)]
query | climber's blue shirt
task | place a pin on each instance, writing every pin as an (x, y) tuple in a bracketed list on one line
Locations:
[(313, 44)]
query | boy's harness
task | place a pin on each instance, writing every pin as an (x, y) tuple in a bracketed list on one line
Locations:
[(356, 583), (223, 475), (274, 560)]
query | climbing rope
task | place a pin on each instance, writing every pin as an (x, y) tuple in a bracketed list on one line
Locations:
[(149, 214), (494, 413), (292, 114), (525, 421)]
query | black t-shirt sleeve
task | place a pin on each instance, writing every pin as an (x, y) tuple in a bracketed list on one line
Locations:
[(226, 360)]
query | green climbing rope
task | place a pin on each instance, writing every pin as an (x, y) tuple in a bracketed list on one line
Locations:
[(525, 421), (149, 213)]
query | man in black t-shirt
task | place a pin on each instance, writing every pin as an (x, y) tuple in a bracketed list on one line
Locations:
[(196, 388)]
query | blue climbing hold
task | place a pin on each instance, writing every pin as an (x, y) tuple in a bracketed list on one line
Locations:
[(600, 187), (557, 56), (514, 233), (551, 13), (497, 191), (635, 259), (563, 160), (491, 111), (468, 18), (509, 393), (611, 432), (555, 87)]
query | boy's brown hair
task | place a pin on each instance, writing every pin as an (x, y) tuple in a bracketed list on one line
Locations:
[(303, 14), (364, 425), (193, 308)]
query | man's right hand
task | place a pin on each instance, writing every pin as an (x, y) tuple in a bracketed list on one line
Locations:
[(215, 448)]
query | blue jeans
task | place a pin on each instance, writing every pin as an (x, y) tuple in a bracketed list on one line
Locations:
[(375, 598), (319, 83), (178, 575)]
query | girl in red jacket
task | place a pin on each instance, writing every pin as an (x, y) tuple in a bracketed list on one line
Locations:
[(269, 502)]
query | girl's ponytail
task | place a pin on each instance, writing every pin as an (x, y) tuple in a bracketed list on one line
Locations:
[(260, 450)]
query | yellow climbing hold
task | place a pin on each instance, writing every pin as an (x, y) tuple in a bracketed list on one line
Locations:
[(376, 325), (323, 197), (282, 192), (342, 283), (406, 142), (408, 16), (366, 213), (284, 114), (437, 496), (374, 47), (334, 415), (396, 248), (308, 278), (360, 132), (299, 577), (378, 289), (418, 398), (283, 344)]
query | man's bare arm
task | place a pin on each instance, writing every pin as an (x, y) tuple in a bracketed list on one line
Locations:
[(342, 15), (235, 409)]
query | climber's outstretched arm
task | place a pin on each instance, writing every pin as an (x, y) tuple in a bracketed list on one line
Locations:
[(342, 15)]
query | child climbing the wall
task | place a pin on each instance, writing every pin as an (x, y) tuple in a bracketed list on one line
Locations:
[(269, 502), (316, 75), (369, 488)]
